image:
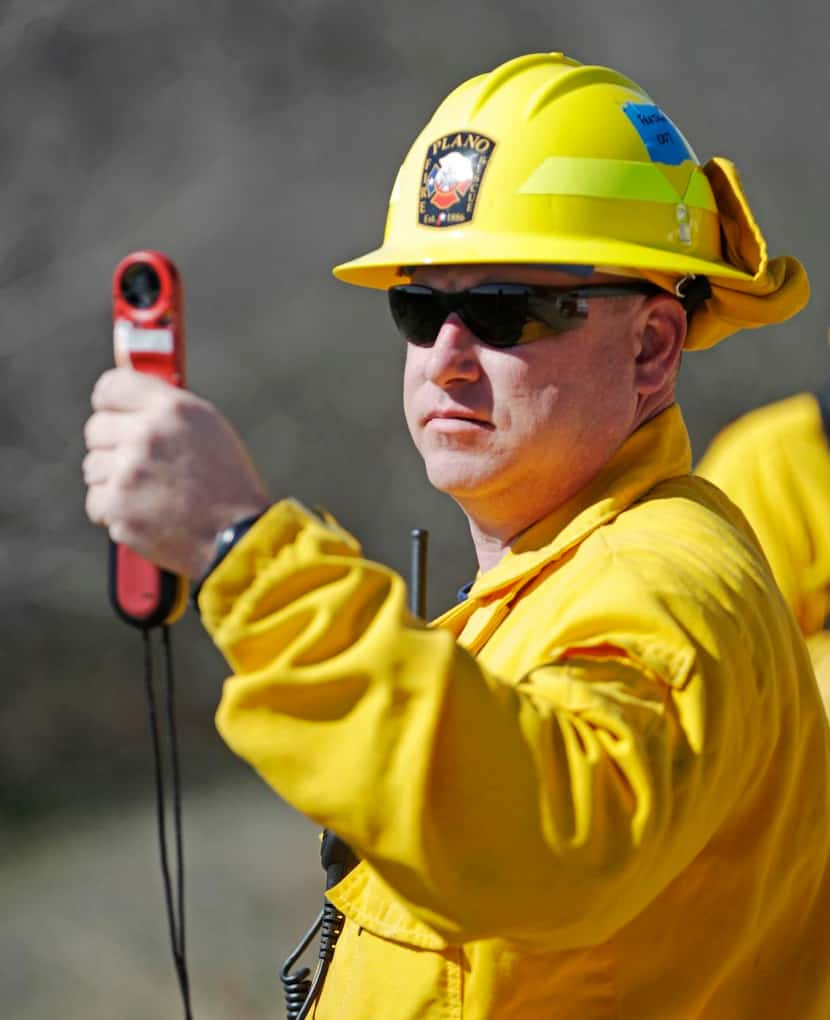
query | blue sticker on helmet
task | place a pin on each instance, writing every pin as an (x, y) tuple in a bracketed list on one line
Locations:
[(664, 142)]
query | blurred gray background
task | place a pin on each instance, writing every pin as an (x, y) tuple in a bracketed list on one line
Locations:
[(256, 143)]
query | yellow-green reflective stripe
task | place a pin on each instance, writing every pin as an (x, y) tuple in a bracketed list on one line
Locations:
[(699, 193), (614, 178)]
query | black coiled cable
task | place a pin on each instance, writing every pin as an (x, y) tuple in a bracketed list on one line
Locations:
[(330, 931), (296, 984), (299, 988)]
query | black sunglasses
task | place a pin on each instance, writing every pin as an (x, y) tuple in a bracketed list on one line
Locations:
[(500, 314)]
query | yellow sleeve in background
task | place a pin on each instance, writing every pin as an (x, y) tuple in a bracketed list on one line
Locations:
[(774, 463)]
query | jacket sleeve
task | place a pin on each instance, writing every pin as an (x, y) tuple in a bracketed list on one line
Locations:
[(548, 810), (774, 463)]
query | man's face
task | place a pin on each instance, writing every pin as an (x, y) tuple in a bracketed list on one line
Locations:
[(515, 432)]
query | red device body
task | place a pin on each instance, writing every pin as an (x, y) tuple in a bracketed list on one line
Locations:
[(148, 335)]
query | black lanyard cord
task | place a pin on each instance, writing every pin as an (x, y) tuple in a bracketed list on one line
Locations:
[(177, 797), (174, 904)]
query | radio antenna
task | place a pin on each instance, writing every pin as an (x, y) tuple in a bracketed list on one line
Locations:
[(418, 572)]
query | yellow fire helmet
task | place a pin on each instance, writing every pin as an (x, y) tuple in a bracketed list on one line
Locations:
[(546, 161)]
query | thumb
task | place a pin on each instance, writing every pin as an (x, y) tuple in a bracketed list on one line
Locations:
[(123, 389)]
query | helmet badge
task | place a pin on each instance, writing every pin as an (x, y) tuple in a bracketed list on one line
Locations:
[(451, 178)]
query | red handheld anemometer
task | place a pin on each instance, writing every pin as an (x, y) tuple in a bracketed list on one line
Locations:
[(148, 335)]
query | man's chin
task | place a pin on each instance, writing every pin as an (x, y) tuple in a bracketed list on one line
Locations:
[(459, 480)]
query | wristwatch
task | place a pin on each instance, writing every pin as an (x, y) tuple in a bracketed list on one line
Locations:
[(226, 539)]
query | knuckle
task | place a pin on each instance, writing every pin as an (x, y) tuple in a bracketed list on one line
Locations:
[(159, 400), (126, 526), (182, 409), (134, 524), (95, 507), (94, 468), (188, 407), (151, 443), (133, 470), (93, 430)]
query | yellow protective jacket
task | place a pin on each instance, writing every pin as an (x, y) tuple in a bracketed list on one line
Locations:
[(596, 790), (775, 464)]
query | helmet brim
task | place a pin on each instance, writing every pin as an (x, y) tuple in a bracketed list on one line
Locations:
[(390, 264)]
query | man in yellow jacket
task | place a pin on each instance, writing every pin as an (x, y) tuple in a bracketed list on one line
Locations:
[(598, 787), (774, 462)]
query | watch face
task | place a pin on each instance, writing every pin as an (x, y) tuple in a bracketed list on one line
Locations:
[(229, 536), (226, 539)]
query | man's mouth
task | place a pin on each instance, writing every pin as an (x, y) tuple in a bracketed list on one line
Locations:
[(462, 416)]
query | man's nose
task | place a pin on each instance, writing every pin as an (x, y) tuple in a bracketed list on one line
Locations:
[(455, 354)]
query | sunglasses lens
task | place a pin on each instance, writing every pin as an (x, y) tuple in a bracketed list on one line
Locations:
[(497, 313), (418, 312)]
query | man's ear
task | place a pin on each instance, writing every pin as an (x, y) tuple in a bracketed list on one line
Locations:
[(662, 334)]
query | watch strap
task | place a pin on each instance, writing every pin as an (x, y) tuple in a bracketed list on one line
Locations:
[(226, 539)]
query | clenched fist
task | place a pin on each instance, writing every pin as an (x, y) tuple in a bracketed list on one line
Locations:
[(164, 470)]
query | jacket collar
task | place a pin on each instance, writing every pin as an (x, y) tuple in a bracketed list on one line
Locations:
[(658, 450)]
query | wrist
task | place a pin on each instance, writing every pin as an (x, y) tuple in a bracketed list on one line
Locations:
[(226, 539)]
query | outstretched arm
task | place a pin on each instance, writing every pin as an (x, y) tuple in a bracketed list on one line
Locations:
[(548, 808)]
